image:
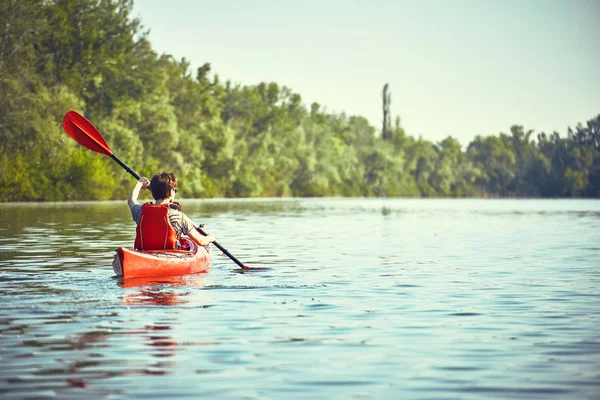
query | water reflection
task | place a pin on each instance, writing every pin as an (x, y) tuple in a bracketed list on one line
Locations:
[(161, 342), (155, 296), (366, 298), (158, 290)]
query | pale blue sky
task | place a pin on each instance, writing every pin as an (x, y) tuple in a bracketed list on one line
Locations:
[(455, 68)]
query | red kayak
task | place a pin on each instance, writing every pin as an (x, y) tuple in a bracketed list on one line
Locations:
[(134, 264)]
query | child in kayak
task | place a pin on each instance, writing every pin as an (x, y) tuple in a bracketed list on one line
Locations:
[(159, 225)]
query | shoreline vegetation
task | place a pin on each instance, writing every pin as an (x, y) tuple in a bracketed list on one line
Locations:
[(226, 140)]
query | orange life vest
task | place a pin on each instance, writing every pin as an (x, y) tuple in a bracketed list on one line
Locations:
[(154, 231)]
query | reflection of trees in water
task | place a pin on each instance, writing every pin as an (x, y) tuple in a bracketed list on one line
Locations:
[(15, 217), (68, 231)]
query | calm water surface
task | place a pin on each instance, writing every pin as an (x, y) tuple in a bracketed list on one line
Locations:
[(363, 298)]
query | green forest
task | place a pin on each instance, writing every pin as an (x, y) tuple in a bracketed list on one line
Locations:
[(230, 140)]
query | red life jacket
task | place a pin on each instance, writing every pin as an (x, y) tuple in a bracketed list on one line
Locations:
[(154, 231)]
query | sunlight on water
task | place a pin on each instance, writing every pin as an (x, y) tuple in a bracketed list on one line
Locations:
[(361, 298)]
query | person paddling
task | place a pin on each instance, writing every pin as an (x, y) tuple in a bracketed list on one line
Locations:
[(160, 225)]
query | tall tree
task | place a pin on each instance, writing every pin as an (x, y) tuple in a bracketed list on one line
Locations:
[(387, 101)]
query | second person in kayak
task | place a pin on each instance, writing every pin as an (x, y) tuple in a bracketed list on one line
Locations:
[(160, 225)]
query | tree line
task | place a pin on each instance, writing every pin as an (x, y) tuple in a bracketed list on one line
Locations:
[(224, 139)]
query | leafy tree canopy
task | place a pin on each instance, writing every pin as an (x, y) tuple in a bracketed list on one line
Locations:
[(224, 139)]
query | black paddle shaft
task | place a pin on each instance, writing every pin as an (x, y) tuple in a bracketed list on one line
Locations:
[(223, 249), (125, 166)]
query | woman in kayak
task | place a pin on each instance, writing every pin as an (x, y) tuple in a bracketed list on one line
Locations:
[(160, 225)]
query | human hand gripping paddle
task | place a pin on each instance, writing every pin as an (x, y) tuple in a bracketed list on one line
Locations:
[(86, 134)]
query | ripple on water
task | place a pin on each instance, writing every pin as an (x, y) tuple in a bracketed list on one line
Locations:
[(436, 299)]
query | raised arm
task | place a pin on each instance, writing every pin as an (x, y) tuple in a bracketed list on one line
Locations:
[(143, 183)]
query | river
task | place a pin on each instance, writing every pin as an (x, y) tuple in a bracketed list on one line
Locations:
[(356, 298)]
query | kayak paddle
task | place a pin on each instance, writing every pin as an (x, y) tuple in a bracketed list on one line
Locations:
[(86, 134)]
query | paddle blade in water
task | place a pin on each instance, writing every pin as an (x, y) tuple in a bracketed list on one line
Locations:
[(246, 269), (84, 133)]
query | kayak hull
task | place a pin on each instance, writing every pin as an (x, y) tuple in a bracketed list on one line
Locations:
[(135, 264)]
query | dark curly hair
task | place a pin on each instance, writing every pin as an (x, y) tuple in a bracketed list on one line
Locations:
[(161, 185)]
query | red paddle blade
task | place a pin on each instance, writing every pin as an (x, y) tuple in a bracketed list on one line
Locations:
[(84, 133)]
